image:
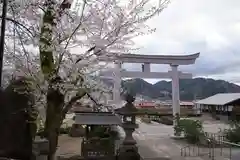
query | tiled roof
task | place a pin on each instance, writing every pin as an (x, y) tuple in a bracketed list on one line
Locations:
[(97, 118)]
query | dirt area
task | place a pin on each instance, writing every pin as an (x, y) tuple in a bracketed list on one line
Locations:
[(157, 137), (69, 145)]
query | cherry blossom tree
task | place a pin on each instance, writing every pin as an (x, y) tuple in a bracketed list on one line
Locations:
[(58, 42)]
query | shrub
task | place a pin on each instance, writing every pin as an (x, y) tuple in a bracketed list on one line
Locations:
[(103, 132), (98, 131), (192, 129), (40, 130), (233, 133)]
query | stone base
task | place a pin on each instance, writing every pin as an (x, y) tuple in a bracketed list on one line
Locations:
[(40, 148), (128, 153), (176, 137), (125, 148)]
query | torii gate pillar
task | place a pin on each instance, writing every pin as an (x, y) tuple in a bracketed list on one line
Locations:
[(117, 83), (175, 90)]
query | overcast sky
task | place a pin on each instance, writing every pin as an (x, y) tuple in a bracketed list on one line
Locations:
[(211, 27)]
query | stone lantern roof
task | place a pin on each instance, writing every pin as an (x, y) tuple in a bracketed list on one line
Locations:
[(128, 108)]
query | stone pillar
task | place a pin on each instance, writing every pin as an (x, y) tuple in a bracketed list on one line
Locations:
[(175, 91), (146, 67), (117, 83), (40, 148)]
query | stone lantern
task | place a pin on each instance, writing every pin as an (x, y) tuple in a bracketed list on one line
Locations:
[(128, 112)]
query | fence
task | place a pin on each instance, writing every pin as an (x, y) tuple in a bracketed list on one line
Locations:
[(217, 148), (196, 150)]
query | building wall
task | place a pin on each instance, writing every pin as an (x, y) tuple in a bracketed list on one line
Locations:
[(197, 109), (219, 108), (222, 112)]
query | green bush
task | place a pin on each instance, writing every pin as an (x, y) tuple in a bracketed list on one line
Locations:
[(63, 130), (233, 133), (191, 129), (98, 131), (40, 127), (103, 132)]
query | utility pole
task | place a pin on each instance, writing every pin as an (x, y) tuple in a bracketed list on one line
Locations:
[(2, 38)]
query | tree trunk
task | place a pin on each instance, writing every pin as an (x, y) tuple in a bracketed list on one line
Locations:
[(55, 99), (55, 102)]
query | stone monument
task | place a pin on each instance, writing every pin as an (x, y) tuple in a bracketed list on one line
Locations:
[(17, 120)]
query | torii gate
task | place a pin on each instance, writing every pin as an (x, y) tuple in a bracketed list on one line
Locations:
[(146, 60)]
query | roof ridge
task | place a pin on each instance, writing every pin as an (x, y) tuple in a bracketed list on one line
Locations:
[(220, 98), (227, 93)]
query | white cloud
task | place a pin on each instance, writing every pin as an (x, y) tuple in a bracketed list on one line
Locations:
[(190, 26)]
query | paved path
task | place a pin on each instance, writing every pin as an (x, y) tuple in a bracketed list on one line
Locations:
[(158, 137)]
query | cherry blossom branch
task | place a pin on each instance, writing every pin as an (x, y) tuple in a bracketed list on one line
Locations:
[(74, 99), (94, 101), (28, 62), (70, 37), (19, 24), (75, 30)]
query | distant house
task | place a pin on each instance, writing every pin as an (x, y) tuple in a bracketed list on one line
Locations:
[(221, 104), (146, 105), (185, 104)]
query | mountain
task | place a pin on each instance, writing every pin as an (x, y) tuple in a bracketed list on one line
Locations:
[(190, 89)]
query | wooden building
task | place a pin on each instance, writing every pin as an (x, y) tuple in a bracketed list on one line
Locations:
[(222, 104)]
